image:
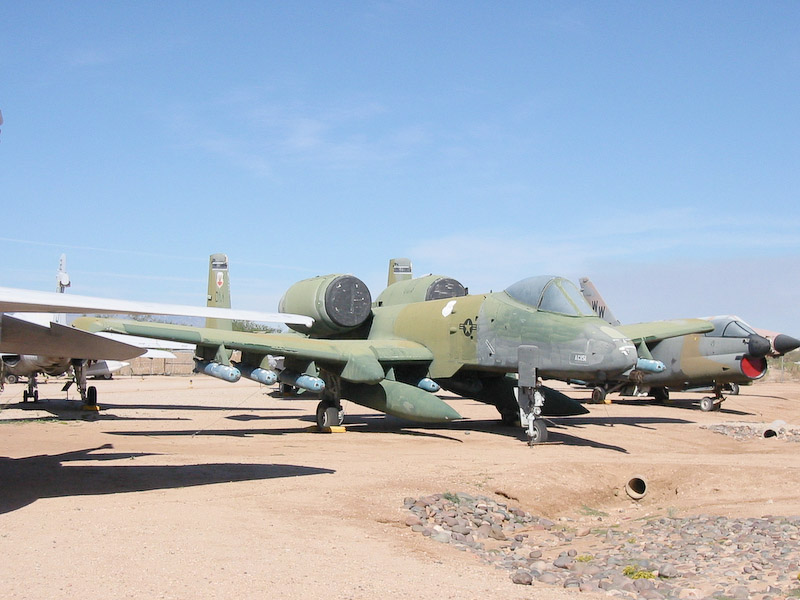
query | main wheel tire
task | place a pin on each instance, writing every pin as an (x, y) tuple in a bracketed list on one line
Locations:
[(659, 394), (707, 404), (35, 395), (598, 395), (329, 415), (11, 378), (734, 389), (539, 433), (25, 395), (91, 396)]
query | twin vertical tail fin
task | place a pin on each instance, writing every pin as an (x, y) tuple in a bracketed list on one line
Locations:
[(399, 270), (219, 291), (597, 303)]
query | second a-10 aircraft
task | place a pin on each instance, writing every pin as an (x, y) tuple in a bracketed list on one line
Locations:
[(421, 335)]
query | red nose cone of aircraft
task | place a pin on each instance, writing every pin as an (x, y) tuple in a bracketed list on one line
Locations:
[(785, 343)]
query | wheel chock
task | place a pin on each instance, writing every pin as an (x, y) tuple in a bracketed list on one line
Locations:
[(91, 407), (332, 429)]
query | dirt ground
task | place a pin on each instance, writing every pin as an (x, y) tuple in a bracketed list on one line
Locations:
[(187, 487)]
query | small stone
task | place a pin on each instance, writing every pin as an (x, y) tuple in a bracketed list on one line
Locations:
[(412, 520), (441, 536), (668, 571), (548, 577), (563, 562), (522, 577)]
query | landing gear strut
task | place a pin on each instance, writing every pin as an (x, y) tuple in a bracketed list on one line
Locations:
[(531, 401), (529, 395), (88, 394)]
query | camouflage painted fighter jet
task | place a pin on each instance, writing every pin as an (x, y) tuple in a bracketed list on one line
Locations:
[(395, 354), (729, 355)]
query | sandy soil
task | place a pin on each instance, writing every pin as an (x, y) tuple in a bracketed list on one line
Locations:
[(185, 487)]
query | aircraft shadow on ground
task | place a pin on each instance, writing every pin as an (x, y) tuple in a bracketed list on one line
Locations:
[(680, 403), (28, 479), (490, 426), (72, 410)]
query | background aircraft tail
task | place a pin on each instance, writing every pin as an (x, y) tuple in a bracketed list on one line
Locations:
[(399, 270), (219, 291), (596, 301)]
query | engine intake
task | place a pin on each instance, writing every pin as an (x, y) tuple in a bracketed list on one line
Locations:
[(337, 303), (421, 289)]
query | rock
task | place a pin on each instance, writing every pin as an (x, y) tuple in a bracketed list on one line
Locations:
[(522, 577), (548, 577), (668, 571), (563, 562), (441, 536), (412, 520)]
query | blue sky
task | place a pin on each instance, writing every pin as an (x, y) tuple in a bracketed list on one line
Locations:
[(654, 147)]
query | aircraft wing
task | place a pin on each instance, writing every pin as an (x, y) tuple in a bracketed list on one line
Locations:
[(655, 331), (361, 360), (22, 337), (19, 300)]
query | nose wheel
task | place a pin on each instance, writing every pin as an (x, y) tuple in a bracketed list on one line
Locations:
[(537, 432), (531, 401)]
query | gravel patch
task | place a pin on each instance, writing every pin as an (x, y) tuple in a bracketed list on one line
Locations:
[(665, 557), (748, 431)]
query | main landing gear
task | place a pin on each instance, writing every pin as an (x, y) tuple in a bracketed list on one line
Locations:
[(329, 410), (32, 392), (660, 394), (713, 403), (88, 394), (599, 395)]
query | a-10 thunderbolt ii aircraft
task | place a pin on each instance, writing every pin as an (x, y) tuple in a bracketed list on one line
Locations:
[(731, 354), (394, 354)]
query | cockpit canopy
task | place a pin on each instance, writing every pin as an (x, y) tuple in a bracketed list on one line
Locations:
[(553, 294), (730, 326)]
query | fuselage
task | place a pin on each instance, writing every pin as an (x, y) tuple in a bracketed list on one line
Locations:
[(709, 359), (483, 333), (26, 365)]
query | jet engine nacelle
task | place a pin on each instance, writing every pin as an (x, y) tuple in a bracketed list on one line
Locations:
[(421, 289), (337, 303)]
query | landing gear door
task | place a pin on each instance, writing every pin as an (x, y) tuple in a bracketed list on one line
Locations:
[(528, 362)]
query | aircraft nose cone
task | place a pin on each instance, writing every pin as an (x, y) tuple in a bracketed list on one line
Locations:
[(758, 346), (785, 343)]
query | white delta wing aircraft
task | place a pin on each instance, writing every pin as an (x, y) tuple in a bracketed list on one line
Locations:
[(32, 343)]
